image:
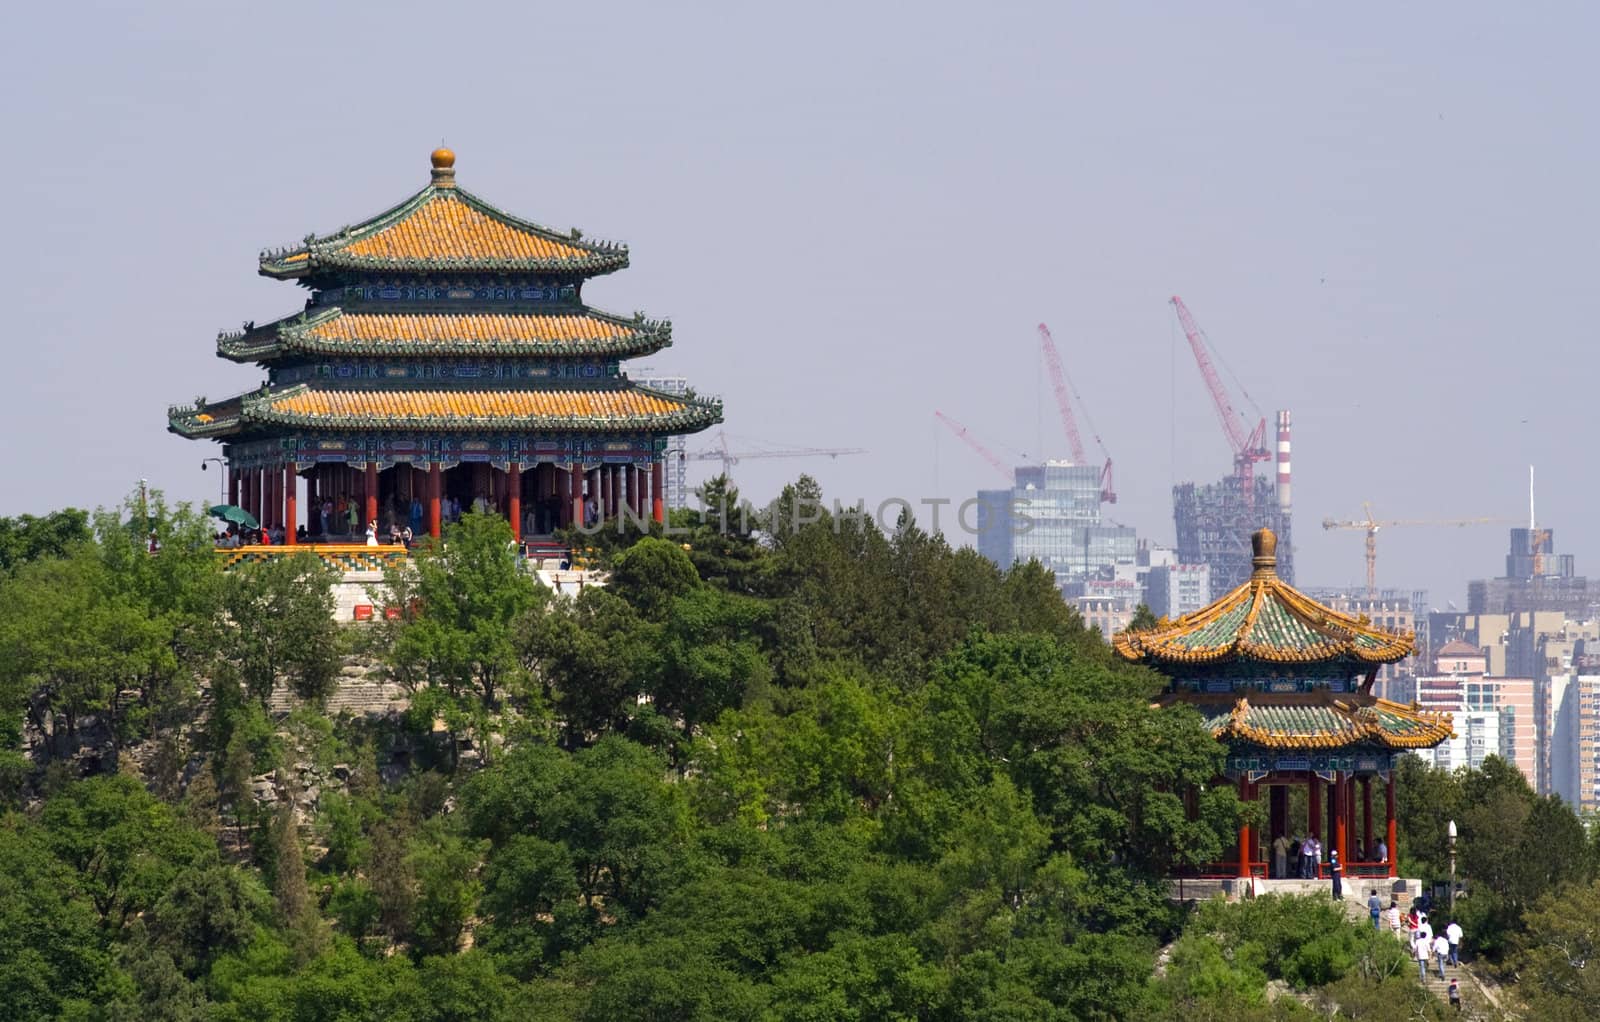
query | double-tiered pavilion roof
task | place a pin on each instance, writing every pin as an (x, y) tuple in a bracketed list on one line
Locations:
[(1286, 684)]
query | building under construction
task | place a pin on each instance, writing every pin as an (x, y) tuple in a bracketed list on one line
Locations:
[(1215, 522)]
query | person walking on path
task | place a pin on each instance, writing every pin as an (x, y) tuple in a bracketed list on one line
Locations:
[(1375, 909), (1308, 858), (1454, 996), (1334, 871), (1441, 951), (1394, 915), (1453, 934), (1280, 856), (1419, 948)]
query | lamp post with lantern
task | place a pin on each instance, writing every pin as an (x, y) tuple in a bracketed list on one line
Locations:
[(1450, 830)]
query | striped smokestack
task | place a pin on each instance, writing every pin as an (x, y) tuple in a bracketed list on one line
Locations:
[(1283, 459)]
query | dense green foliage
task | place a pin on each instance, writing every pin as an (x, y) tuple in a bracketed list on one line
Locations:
[(794, 768)]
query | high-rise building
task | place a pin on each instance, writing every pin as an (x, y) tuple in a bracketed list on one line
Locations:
[(1173, 590), (1569, 717), (1536, 579), (1213, 523), (1052, 515)]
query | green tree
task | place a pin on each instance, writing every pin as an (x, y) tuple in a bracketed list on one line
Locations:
[(126, 846), (51, 956), (281, 625), (1555, 956), (27, 538), (446, 869), (467, 602)]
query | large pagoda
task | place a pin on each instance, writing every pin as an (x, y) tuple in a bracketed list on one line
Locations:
[(1286, 684), (445, 354)]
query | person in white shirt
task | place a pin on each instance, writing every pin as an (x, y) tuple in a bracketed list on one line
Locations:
[(1419, 950), (1441, 951), (1394, 915), (1453, 933)]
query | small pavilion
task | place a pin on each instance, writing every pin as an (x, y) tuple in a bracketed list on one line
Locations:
[(445, 355), (1286, 684)]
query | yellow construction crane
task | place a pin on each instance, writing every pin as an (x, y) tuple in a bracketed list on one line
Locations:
[(1372, 525)]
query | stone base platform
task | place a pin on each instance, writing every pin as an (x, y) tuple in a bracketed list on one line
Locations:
[(1235, 889)]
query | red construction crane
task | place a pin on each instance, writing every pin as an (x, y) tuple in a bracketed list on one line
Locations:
[(1248, 447), (961, 431), (1060, 382)]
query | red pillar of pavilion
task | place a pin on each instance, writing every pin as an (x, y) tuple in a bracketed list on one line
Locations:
[(514, 499), (435, 483), (372, 491), (291, 512), (1394, 848), (1340, 836), (575, 493), (658, 495), (1245, 837)]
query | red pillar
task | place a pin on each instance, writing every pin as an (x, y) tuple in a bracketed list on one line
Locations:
[(1394, 848), (1340, 836), (1366, 816), (435, 483), (1245, 837), (658, 494), (575, 493), (372, 491), (514, 499), (291, 512)]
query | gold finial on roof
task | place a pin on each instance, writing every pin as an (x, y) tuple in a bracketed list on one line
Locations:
[(444, 168), (1265, 545)]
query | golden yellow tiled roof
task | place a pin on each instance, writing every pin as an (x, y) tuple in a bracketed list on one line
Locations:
[(615, 406), (443, 227), (1266, 620), (335, 331), (448, 228), (474, 327)]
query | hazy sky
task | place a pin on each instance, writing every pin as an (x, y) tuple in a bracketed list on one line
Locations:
[(1383, 214)]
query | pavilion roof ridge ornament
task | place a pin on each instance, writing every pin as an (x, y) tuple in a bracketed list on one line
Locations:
[(1265, 620)]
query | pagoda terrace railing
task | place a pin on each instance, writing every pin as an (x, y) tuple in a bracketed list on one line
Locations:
[(1353, 871), (341, 557)]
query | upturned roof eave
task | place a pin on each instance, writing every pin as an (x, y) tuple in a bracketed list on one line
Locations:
[(324, 253), (295, 334)]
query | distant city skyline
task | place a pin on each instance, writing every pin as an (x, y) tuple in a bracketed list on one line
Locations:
[(1384, 218)]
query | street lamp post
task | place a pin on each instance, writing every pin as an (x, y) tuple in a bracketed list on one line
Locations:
[(222, 477), (1451, 831)]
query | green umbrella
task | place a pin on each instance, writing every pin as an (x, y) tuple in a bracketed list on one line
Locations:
[(235, 514)]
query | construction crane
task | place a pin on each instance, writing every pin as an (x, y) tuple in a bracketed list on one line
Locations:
[(1372, 525), (1060, 383), (1249, 445), (961, 431), (720, 451)]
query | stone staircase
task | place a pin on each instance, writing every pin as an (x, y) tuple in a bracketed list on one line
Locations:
[(1473, 996)]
